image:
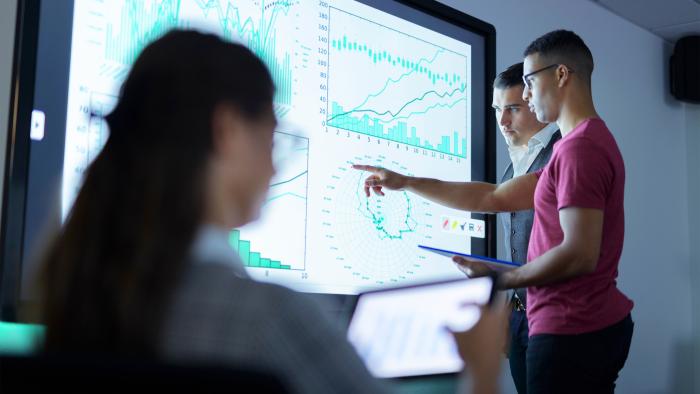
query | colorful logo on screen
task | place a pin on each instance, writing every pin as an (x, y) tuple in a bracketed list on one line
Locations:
[(463, 226)]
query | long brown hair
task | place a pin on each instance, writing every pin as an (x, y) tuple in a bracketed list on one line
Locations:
[(109, 273)]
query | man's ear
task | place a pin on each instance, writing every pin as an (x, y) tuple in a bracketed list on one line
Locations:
[(563, 75)]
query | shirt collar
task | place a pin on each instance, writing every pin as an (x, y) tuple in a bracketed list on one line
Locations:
[(543, 136), (516, 152), (522, 157)]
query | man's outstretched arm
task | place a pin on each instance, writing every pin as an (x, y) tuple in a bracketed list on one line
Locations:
[(514, 195)]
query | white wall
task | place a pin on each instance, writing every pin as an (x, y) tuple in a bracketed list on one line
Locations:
[(7, 37), (631, 92), (693, 152)]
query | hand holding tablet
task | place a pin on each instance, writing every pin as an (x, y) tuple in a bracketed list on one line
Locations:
[(471, 267), (474, 265)]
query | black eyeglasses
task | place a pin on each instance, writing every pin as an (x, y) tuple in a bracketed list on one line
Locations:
[(526, 77)]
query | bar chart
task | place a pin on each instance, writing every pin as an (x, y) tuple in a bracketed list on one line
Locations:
[(250, 258), (399, 88)]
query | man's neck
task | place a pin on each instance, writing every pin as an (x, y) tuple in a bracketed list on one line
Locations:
[(574, 112)]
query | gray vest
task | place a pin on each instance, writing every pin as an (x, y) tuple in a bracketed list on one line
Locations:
[(517, 225)]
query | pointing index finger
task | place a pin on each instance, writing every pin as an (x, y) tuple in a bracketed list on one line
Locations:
[(363, 167)]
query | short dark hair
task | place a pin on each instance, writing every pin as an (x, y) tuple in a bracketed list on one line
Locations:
[(510, 77), (564, 47)]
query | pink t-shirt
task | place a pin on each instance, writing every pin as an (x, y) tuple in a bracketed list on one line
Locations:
[(586, 171)]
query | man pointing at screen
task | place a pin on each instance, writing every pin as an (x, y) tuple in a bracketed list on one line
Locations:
[(580, 322)]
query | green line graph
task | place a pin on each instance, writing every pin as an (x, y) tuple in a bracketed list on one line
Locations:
[(292, 179), (375, 127), (395, 115), (142, 21), (398, 88), (408, 73), (378, 56), (373, 124), (386, 227), (374, 240)]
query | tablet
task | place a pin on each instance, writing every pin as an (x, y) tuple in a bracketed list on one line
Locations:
[(495, 264), (403, 332)]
